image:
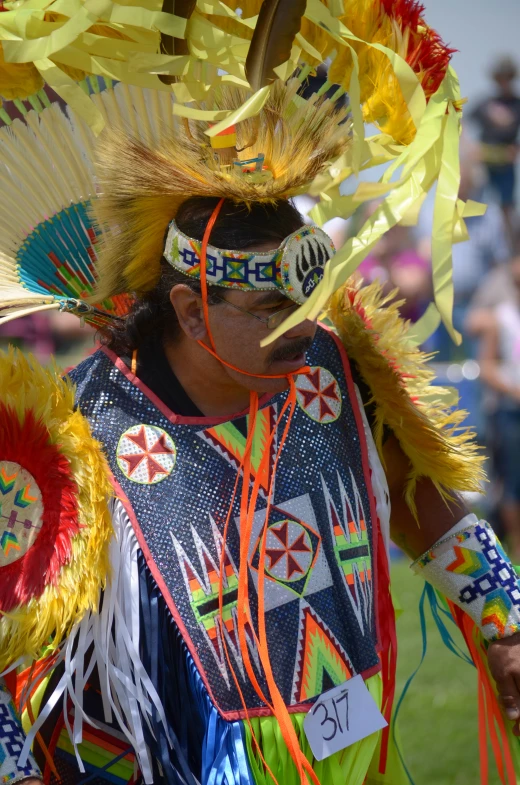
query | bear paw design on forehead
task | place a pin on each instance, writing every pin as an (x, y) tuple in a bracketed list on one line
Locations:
[(310, 262), (306, 253)]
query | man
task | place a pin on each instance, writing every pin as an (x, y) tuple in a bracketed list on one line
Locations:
[(180, 399), (498, 118), (232, 621)]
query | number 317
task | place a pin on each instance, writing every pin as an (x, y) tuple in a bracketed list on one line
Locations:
[(331, 722)]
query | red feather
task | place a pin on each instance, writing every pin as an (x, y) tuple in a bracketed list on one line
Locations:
[(28, 445), (427, 54)]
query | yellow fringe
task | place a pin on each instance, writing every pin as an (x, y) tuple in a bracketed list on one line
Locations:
[(382, 100), (430, 433), (26, 386)]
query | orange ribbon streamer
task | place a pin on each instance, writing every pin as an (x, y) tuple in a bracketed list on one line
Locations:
[(248, 502)]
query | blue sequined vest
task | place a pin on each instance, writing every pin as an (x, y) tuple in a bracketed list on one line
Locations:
[(177, 476)]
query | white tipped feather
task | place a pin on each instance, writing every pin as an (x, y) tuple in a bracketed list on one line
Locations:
[(47, 167)]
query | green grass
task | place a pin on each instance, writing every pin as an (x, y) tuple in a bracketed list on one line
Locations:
[(438, 719)]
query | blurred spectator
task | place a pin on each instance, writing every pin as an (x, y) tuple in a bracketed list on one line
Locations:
[(49, 333), (395, 262), (498, 118), (488, 247), (499, 355), (31, 333)]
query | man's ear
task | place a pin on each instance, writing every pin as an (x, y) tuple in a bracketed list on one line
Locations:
[(188, 307)]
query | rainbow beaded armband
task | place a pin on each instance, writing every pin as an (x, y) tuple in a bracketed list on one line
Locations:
[(470, 567)]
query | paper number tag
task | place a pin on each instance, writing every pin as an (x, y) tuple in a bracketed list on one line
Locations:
[(340, 717)]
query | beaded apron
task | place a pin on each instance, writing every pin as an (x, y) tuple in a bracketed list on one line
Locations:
[(178, 474)]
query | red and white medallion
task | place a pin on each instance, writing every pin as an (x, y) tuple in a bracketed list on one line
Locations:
[(319, 395), (146, 454), (289, 552)]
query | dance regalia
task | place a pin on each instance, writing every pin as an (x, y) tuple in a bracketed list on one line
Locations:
[(156, 623)]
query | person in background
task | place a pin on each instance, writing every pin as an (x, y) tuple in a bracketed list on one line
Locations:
[(396, 264), (498, 119), (499, 356)]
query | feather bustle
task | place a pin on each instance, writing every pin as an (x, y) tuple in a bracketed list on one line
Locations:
[(26, 388)]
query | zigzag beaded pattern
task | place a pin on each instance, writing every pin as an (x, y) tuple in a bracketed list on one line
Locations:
[(491, 596)]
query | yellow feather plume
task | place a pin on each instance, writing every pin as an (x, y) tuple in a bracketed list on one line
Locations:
[(430, 433), (25, 386), (369, 20), (142, 186)]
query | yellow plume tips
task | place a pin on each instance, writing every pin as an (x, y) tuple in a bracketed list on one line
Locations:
[(420, 414), (143, 183), (55, 524)]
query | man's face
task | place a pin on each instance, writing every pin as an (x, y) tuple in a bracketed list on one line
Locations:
[(238, 335)]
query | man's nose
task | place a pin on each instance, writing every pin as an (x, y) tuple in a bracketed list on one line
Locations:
[(305, 329)]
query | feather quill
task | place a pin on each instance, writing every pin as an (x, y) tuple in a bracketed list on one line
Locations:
[(169, 44), (278, 23)]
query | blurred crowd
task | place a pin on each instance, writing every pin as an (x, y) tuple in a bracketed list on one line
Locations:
[(486, 270)]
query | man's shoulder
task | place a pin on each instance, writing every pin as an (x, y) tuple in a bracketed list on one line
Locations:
[(88, 372)]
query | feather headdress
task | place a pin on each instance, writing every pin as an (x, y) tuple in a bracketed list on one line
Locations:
[(142, 186), (394, 68)]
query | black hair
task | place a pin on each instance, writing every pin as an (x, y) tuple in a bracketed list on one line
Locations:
[(238, 227)]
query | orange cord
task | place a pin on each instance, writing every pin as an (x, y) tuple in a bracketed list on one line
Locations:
[(203, 270), (248, 502)]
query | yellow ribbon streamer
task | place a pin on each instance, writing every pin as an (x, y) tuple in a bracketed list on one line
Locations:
[(443, 221), (355, 250), (41, 48), (425, 325), (249, 108), (411, 88), (72, 93)]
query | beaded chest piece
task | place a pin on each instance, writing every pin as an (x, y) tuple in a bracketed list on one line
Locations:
[(178, 474)]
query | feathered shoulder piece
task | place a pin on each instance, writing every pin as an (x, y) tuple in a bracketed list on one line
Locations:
[(142, 182), (429, 429), (54, 523)]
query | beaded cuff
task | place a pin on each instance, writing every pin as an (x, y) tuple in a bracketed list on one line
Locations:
[(470, 567)]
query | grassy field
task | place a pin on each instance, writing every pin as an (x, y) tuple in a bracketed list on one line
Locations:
[(438, 719)]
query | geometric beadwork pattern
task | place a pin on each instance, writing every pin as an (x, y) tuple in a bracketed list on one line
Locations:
[(288, 551), (321, 661), (473, 570), (321, 483), (352, 547), (202, 583), (229, 440), (319, 395), (290, 570), (146, 454), (11, 743), (295, 268), (21, 511)]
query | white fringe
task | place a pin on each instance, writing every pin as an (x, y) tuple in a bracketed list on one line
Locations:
[(379, 483), (127, 692)]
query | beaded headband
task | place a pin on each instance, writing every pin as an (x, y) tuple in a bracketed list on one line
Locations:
[(296, 267)]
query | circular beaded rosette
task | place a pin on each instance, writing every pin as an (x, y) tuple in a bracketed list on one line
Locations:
[(54, 520)]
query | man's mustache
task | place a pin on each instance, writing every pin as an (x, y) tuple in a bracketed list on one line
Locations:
[(289, 350)]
